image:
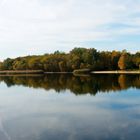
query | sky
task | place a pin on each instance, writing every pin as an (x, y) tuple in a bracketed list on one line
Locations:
[(43, 26)]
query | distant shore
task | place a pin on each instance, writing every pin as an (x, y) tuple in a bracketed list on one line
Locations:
[(33, 72)]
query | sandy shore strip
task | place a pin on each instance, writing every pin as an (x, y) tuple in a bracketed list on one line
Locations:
[(116, 72)]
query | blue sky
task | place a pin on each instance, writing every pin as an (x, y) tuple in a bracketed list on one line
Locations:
[(41, 26)]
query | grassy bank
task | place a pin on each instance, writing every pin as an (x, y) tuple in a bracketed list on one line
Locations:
[(8, 72)]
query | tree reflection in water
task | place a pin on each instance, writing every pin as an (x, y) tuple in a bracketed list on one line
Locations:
[(78, 85)]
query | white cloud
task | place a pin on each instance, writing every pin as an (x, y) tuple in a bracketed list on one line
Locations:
[(42, 24)]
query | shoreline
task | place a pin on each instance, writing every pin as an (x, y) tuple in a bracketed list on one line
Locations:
[(117, 72), (40, 72)]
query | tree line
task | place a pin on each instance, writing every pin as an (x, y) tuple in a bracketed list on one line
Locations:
[(78, 58)]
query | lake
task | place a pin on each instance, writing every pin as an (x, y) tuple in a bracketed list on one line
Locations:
[(67, 107)]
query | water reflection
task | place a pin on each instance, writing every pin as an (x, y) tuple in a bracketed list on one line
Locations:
[(78, 85), (31, 114)]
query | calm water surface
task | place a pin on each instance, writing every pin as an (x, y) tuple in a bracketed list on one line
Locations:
[(66, 107)]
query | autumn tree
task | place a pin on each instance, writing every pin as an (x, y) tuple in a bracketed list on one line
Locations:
[(124, 61)]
